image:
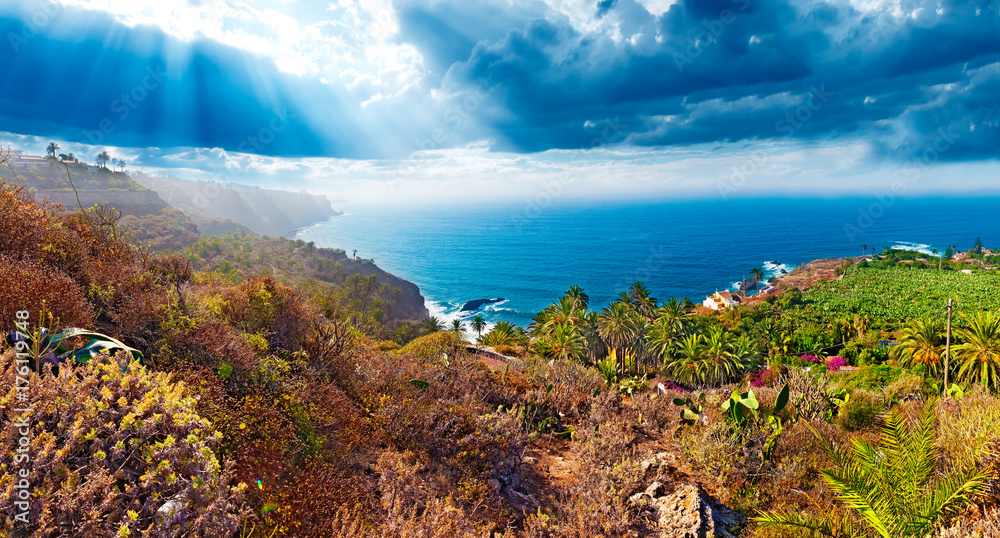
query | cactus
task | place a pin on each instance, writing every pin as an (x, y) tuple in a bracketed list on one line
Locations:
[(740, 406), (691, 409), (774, 424)]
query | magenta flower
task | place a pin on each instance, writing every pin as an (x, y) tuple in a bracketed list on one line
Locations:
[(835, 363)]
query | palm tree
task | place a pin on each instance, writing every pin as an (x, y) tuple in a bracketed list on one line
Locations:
[(565, 342), (431, 325), (719, 364), (758, 276), (616, 326), (638, 294), (52, 149), (661, 339), (746, 352), (675, 314), (503, 333), (565, 311), (114, 163), (103, 158), (980, 351), (893, 488), (864, 248), (689, 355), (578, 296), (920, 343), (70, 157), (457, 326), (121, 163), (478, 325)]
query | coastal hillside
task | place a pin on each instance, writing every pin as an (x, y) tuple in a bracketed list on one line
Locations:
[(148, 221), (270, 212), (250, 407), (322, 270)]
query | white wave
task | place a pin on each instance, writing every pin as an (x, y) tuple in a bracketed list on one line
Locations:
[(496, 306), (448, 312), (918, 247)]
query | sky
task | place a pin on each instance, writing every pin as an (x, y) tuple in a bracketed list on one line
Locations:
[(387, 101)]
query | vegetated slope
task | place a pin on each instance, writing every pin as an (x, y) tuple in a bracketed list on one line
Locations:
[(240, 255), (152, 223), (281, 421), (265, 211)]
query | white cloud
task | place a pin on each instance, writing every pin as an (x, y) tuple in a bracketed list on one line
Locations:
[(348, 44)]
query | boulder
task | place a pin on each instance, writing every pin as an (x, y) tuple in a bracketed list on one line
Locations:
[(689, 512)]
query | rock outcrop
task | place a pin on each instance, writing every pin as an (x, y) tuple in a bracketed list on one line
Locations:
[(687, 512)]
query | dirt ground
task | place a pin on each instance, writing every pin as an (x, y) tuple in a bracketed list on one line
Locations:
[(807, 275)]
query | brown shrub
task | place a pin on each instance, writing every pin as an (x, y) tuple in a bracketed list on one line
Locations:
[(265, 304), (25, 285), (23, 222)]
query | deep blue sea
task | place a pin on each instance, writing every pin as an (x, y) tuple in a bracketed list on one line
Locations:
[(678, 248)]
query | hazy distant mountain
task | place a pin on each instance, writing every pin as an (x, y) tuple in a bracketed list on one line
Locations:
[(265, 211)]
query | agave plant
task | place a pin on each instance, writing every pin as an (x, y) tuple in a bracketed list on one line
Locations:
[(893, 489), (55, 349)]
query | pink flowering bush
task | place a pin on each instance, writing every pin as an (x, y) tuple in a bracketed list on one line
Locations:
[(811, 358), (835, 363), (763, 378), (670, 385)]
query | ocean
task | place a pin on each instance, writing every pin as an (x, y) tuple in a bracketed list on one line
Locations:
[(530, 256)]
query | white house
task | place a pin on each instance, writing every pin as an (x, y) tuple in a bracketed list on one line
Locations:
[(720, 300)]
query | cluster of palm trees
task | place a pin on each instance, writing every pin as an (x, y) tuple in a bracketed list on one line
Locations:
[(975, 351), (641, 334), (433, 324), (53, 148), (103, 159)]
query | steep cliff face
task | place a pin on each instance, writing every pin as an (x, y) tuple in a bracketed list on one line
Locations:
[(409, 306), (298, 262)]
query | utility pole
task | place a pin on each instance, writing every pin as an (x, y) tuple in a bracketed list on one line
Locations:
[(947, 350)]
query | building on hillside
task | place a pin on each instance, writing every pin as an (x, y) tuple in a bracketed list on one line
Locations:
[(28, 161), (721, 300)]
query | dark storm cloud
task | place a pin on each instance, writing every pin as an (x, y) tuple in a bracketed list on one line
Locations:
[(734, 69), (703, 71)]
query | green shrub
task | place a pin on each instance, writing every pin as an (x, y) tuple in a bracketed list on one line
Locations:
[(432, 345), (871, 377), (861, 412)]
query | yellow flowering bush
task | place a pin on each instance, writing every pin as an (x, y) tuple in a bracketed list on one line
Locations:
[(112, 449)]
